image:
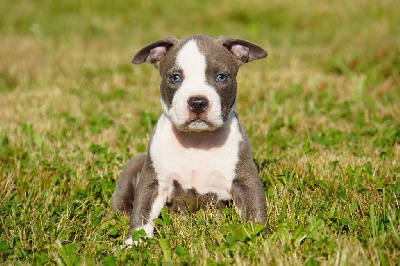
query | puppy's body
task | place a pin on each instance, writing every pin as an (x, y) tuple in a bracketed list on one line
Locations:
[(199, 153)]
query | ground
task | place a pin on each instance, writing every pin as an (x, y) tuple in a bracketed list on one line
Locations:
[(322, 112)]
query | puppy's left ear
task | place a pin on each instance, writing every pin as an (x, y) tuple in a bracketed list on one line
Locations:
[(243, 51)]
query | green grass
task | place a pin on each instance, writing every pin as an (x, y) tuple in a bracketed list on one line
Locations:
[(322, 112)]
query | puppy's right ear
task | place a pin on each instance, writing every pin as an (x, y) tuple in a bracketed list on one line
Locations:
[(154, 52)]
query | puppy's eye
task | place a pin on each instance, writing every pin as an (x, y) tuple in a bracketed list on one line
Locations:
[(221, 78), (175, 78)]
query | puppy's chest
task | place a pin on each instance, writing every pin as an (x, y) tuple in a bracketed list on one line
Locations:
[(205, 163)]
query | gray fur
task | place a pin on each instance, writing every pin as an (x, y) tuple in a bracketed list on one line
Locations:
[(124, 194), (189, 201), (145, 194), (247, 189)]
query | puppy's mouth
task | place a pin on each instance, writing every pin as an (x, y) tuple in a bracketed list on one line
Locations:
[(197, 124), (197, 120)]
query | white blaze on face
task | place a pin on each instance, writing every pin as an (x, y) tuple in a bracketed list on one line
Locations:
[(193, 63)]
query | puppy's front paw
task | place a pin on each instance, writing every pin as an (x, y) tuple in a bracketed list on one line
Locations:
[(129, 243)]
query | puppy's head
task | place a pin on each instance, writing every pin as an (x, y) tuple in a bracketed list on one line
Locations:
[(198, 87)]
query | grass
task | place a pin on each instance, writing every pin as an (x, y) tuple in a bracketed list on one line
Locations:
[(322, 112)]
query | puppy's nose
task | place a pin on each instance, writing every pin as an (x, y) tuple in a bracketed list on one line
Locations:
[(198, 104)]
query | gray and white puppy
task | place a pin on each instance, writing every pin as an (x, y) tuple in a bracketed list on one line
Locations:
[(199, 153)]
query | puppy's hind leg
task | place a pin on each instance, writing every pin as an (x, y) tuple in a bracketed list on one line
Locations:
[(124, 194)]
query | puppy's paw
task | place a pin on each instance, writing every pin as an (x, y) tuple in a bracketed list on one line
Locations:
[(129, 243)]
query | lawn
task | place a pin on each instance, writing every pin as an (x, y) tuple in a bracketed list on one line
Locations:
[(322, 112)]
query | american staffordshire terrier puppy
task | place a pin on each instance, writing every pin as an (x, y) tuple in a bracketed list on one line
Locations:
[(199, 153)]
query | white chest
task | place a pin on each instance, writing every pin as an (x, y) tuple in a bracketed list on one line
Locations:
[(203, 161)]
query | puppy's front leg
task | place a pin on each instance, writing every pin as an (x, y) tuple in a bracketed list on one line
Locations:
[(247, 189), (249, 199), (150, 197)]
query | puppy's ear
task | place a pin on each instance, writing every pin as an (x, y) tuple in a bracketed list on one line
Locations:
[(243, 51), (154, 52)]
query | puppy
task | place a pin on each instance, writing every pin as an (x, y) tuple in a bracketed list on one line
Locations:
[(199, 153)]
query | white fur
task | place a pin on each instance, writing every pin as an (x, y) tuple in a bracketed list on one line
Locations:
[(193, 63), (205, 167), (128, 243)]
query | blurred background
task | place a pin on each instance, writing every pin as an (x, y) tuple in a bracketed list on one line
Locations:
[(335, 36)]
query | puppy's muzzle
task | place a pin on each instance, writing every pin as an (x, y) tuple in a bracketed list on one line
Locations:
[(198, 104)]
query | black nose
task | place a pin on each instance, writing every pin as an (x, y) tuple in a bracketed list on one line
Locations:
[(198, 104)]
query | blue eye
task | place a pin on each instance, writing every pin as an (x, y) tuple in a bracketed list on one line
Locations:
[(221, 78), (175, 78)]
